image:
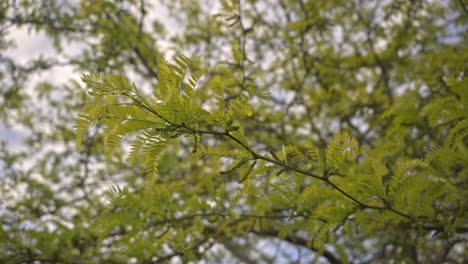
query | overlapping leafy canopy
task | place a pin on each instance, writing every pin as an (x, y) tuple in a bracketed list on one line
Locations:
[(316, 190), (334, 128)]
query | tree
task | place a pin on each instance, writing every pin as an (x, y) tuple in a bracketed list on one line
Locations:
[(275, 131)]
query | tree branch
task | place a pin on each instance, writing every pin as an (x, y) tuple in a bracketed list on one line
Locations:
[(295, 240)]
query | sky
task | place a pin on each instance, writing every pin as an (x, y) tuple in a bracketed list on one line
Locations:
[(28, 46)]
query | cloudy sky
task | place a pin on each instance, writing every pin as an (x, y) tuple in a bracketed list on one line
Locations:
[(30, 45)]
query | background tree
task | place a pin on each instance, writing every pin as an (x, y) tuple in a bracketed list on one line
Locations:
[(290, 131)]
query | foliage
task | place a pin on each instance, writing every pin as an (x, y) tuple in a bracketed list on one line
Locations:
[(333, 131)]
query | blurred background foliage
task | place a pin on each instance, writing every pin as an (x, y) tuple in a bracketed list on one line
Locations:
[(391, 74)]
